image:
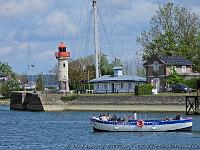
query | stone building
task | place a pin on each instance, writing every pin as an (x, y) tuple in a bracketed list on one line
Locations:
[(158, 68)]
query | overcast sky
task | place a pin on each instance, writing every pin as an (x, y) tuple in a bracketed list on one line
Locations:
[(41, 23)]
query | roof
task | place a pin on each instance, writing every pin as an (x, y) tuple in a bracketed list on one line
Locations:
[(175, 60), (109, 78), (170, 60)]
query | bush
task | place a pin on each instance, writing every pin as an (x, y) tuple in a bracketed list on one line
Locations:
[(145, 89), (192, 82), (68, 98)]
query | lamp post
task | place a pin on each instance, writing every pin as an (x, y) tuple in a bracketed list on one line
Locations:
[(32, 65)]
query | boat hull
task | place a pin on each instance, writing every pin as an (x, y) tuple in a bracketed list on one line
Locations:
[(149, 126)]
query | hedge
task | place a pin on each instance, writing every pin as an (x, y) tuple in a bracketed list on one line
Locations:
[(145, 89)]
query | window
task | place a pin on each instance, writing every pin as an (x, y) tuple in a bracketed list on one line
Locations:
[(183, 69), (122, 85), (129, 85), (155, 66), (105, 86), (98, 87), (63, 64)]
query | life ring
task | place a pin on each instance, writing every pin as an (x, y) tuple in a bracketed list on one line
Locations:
[(140, 123)]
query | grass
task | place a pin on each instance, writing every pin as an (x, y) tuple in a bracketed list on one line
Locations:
[(132, 94), (70, 97)]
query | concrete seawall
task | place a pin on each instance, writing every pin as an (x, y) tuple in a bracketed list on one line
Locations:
[(36, 102), (53, 102)]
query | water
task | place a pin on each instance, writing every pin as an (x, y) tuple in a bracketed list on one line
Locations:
[(72, 130)]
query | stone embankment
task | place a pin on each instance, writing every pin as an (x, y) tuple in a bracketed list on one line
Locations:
[(130, 100), (53, 102)]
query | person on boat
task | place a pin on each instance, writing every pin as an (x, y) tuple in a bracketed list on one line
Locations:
[(103, 118), (108, 116), (178, 117), (93, 116), (114, 118), (134, 115)]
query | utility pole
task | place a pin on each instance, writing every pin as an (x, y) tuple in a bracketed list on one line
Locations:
[(96, 40)]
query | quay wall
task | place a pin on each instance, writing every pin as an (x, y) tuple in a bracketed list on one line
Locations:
[(52, 102)]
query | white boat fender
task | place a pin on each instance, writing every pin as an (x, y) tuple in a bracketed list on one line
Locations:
[(116, 128), (140, 123), (153, 127)]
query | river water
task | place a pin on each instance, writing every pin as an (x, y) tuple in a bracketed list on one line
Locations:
[(72, 131)]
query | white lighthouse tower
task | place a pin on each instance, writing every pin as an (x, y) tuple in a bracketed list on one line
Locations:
[(63, 55)]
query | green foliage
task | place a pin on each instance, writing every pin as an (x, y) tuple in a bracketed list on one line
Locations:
[(145, 89), (175, 78), (39, 83), (105, 67), (11, 84), (192, 82), (174, 31), (68, 98)]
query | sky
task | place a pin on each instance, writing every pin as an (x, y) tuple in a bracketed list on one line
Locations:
[(30, 30)]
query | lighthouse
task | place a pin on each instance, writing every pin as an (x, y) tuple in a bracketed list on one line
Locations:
[(62, 56)]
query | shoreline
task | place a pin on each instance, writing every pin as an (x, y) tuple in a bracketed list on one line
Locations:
[(53, 102), (128, 108)]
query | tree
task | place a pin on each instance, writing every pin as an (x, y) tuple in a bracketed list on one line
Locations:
[(105, 66), (9, 85), (39, 83), (174, 31), (174, 78), (80, 71)]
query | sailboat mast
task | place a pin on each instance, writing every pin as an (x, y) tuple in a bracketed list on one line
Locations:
[(96, 40)]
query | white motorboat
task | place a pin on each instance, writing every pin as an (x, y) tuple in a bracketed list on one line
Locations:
[(142, 125)]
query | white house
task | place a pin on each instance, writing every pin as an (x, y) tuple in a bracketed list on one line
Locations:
[(117, 83)]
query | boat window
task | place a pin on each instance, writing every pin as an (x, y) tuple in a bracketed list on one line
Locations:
[(63, 64)]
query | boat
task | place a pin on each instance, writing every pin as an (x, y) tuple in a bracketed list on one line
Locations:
[(141, 125)]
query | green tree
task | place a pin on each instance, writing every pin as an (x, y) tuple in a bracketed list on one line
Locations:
[(80, 71), (116, 62), (174, 78), (9, 85), (39, 83), (105, 66), (174, 31)]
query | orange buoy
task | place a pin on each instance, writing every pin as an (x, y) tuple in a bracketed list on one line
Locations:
[(140, 123)]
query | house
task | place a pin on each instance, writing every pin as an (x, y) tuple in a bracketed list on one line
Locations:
[(117, 83), (158, 68)]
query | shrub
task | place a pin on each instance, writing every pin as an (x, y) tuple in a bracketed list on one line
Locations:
[(192, 82), (145, 89), (68, 98)]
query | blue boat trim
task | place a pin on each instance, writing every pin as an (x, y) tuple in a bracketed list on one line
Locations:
[(146, 122)]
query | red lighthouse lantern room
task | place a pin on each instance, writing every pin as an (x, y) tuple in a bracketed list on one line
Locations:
[(62, 52)]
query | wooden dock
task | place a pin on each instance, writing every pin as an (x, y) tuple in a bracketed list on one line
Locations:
[(192, 105)]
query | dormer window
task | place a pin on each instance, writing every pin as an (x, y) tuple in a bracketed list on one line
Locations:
[(183, 69)]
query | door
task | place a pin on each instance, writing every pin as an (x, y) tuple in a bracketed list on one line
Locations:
[(113, 87), (156, 83)]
